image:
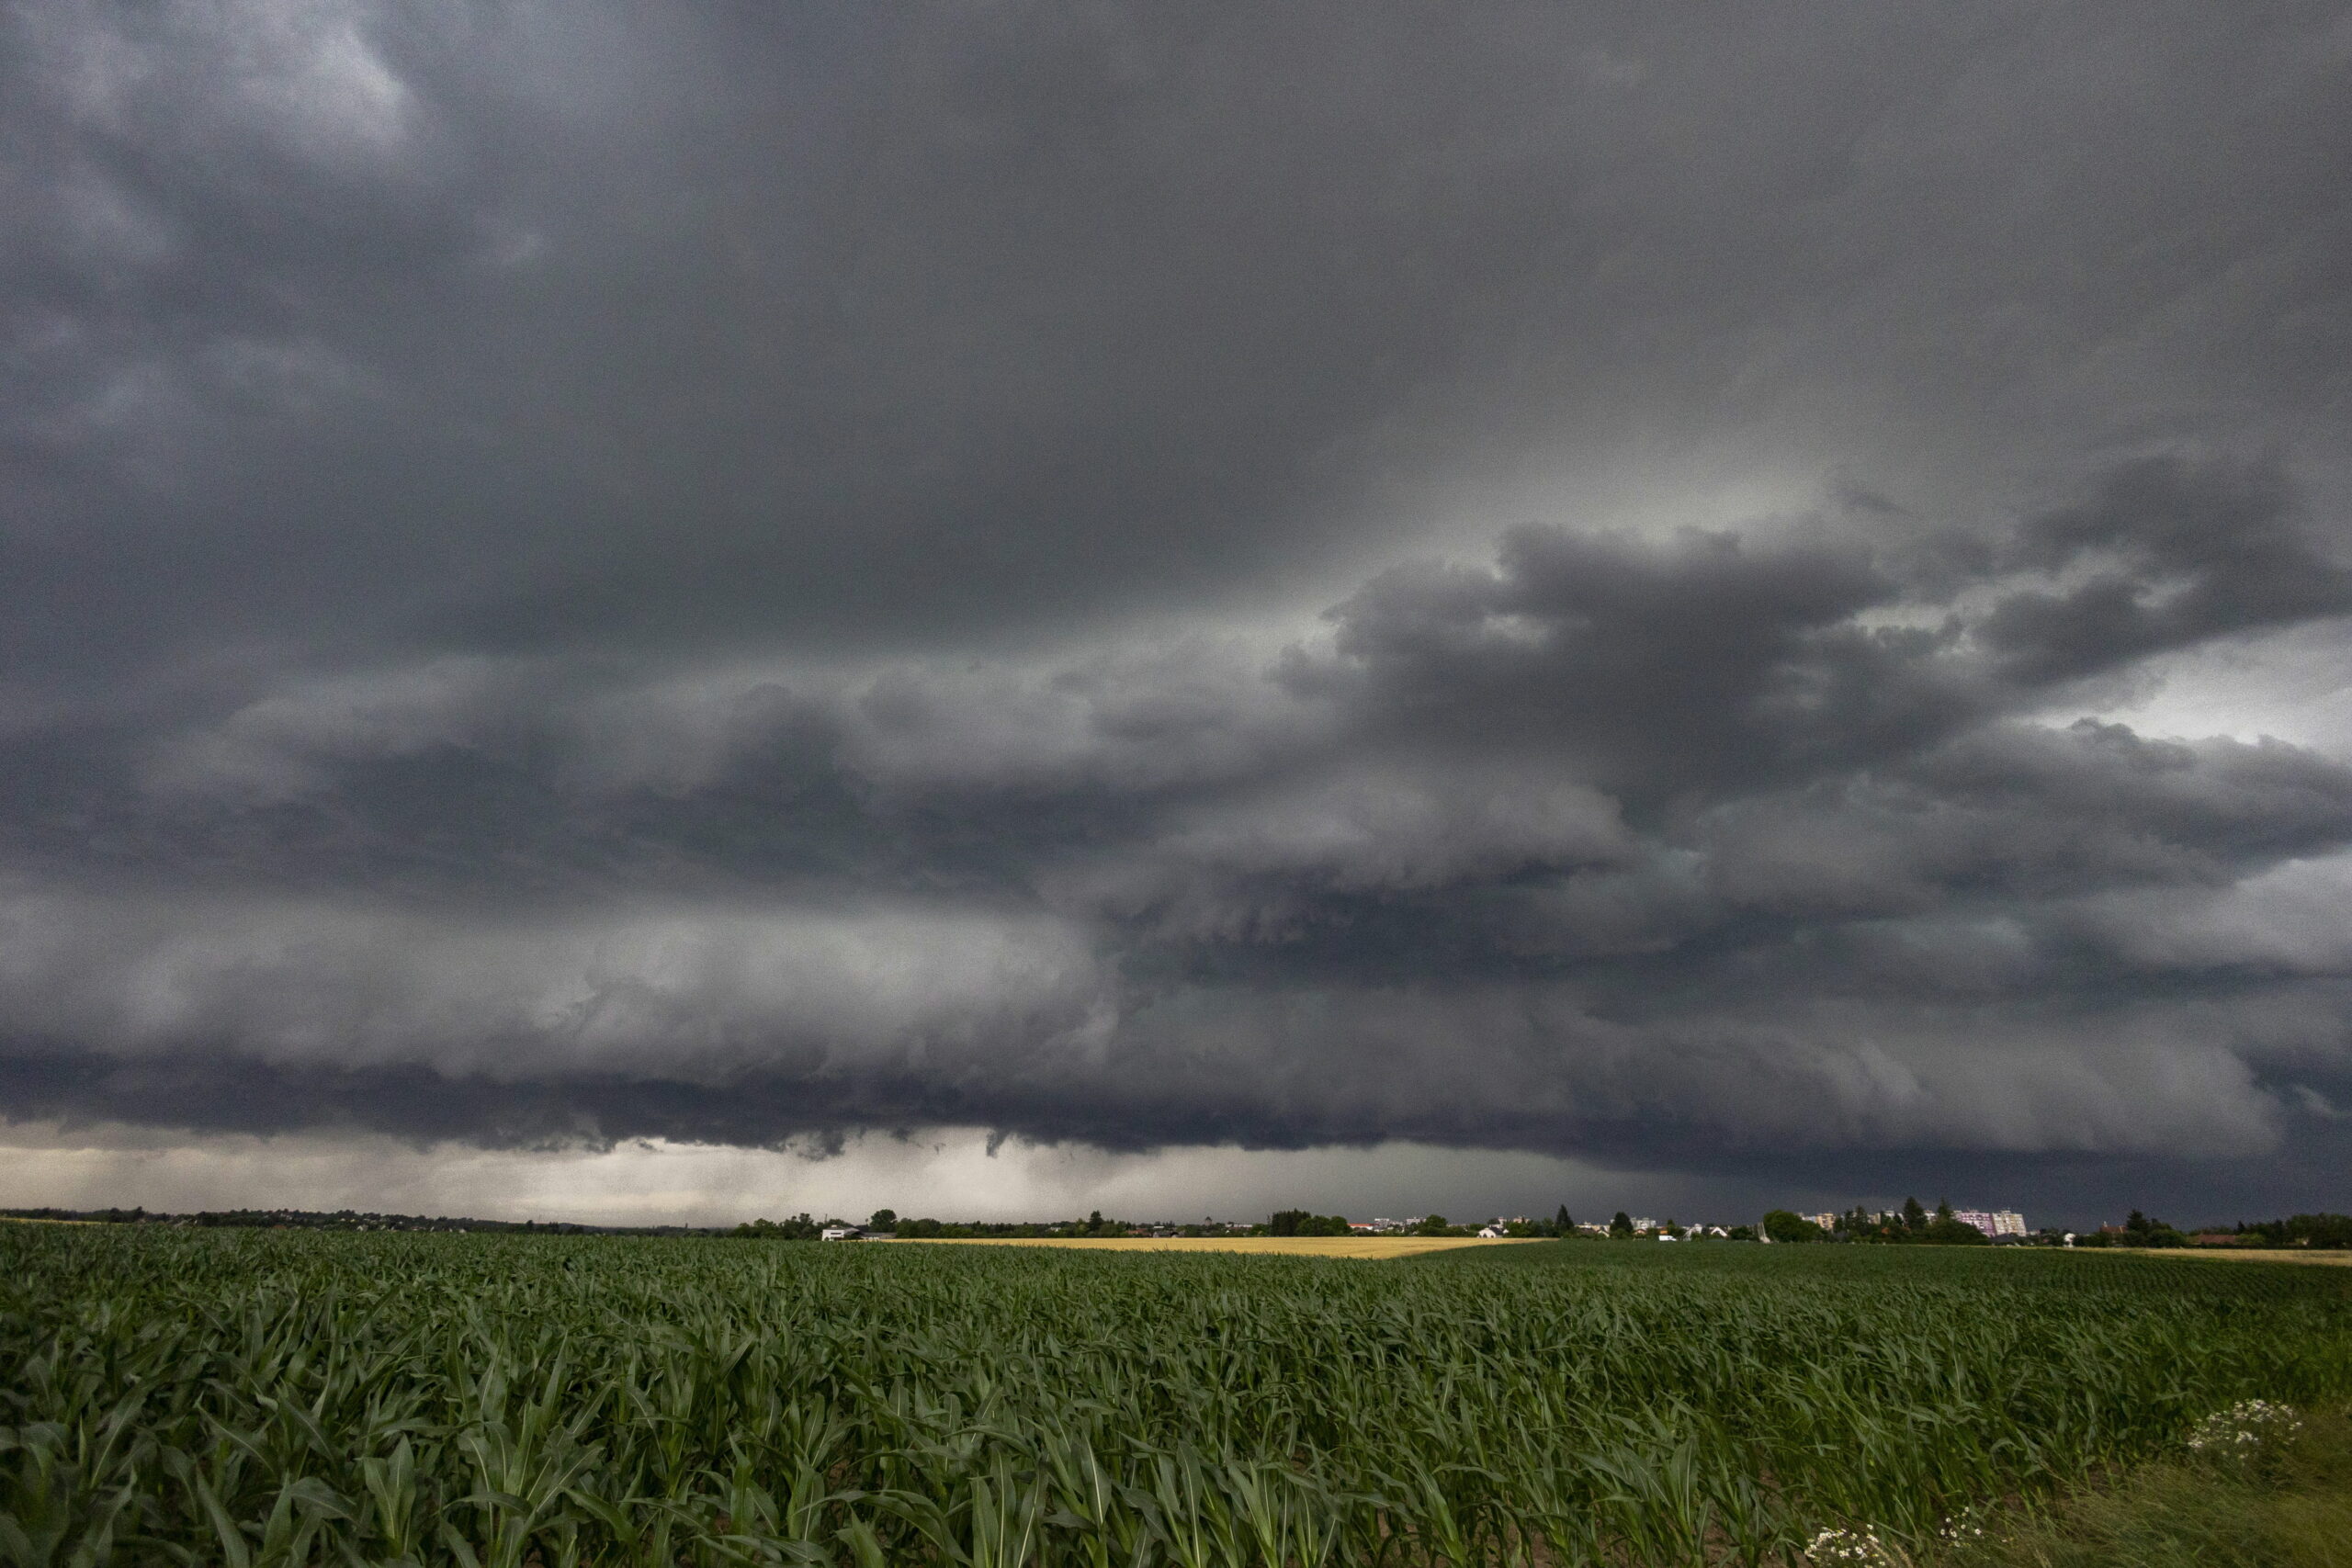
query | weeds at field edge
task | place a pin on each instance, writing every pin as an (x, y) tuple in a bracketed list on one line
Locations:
[(2284, 1501)]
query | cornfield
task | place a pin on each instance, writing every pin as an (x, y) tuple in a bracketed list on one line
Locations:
[(260, 1399)]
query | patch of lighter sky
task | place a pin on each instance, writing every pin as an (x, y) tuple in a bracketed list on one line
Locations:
[(305, 69), (1736, 494), (2295, 686)]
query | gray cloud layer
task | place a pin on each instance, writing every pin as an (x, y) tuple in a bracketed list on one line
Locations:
[(576, 577)]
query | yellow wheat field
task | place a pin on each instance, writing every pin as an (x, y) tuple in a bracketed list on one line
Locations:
[(2265, 1254), (1313, 1245)]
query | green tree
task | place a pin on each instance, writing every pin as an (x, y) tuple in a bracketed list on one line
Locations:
[(1435, 1224), (2331, 1231), (1300, 1222), (1622, 1227), (1946, 1231), (1562, 1225), (1914, 1218), (2142, 1231), (1781, 1225), (883, 1220), (800, 1227)]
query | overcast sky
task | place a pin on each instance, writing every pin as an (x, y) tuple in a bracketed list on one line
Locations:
[(624, 612)]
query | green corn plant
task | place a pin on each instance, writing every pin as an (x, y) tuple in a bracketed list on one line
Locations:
[(1190, 1512), (1085, 1497), (1005, 1518), (302, 1508), (523, 1471), (634, 1529), (53, 1518), (1264, 1506), (390, 1484)]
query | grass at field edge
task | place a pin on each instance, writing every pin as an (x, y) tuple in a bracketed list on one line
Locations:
[(2288, 1506)]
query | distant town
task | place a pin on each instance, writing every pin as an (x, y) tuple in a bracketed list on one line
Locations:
[(1912, 1222)]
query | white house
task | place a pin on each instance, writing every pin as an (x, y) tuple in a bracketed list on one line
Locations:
[(840, 1233)]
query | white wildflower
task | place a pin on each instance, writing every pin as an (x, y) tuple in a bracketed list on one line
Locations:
[(1850, 1548), (2242, 1428), (1960, 1528)]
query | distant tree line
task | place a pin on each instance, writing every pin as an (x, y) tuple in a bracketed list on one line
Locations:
[(1282, 1221), (1910, 1224), (888, 1222), (2330, 1231), (1915, 1224), (1298, 1221), (2137, 1231), (2327, 1231)]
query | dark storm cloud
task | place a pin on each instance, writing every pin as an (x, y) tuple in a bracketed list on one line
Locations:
[(1149, 576), (2183, 554)]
